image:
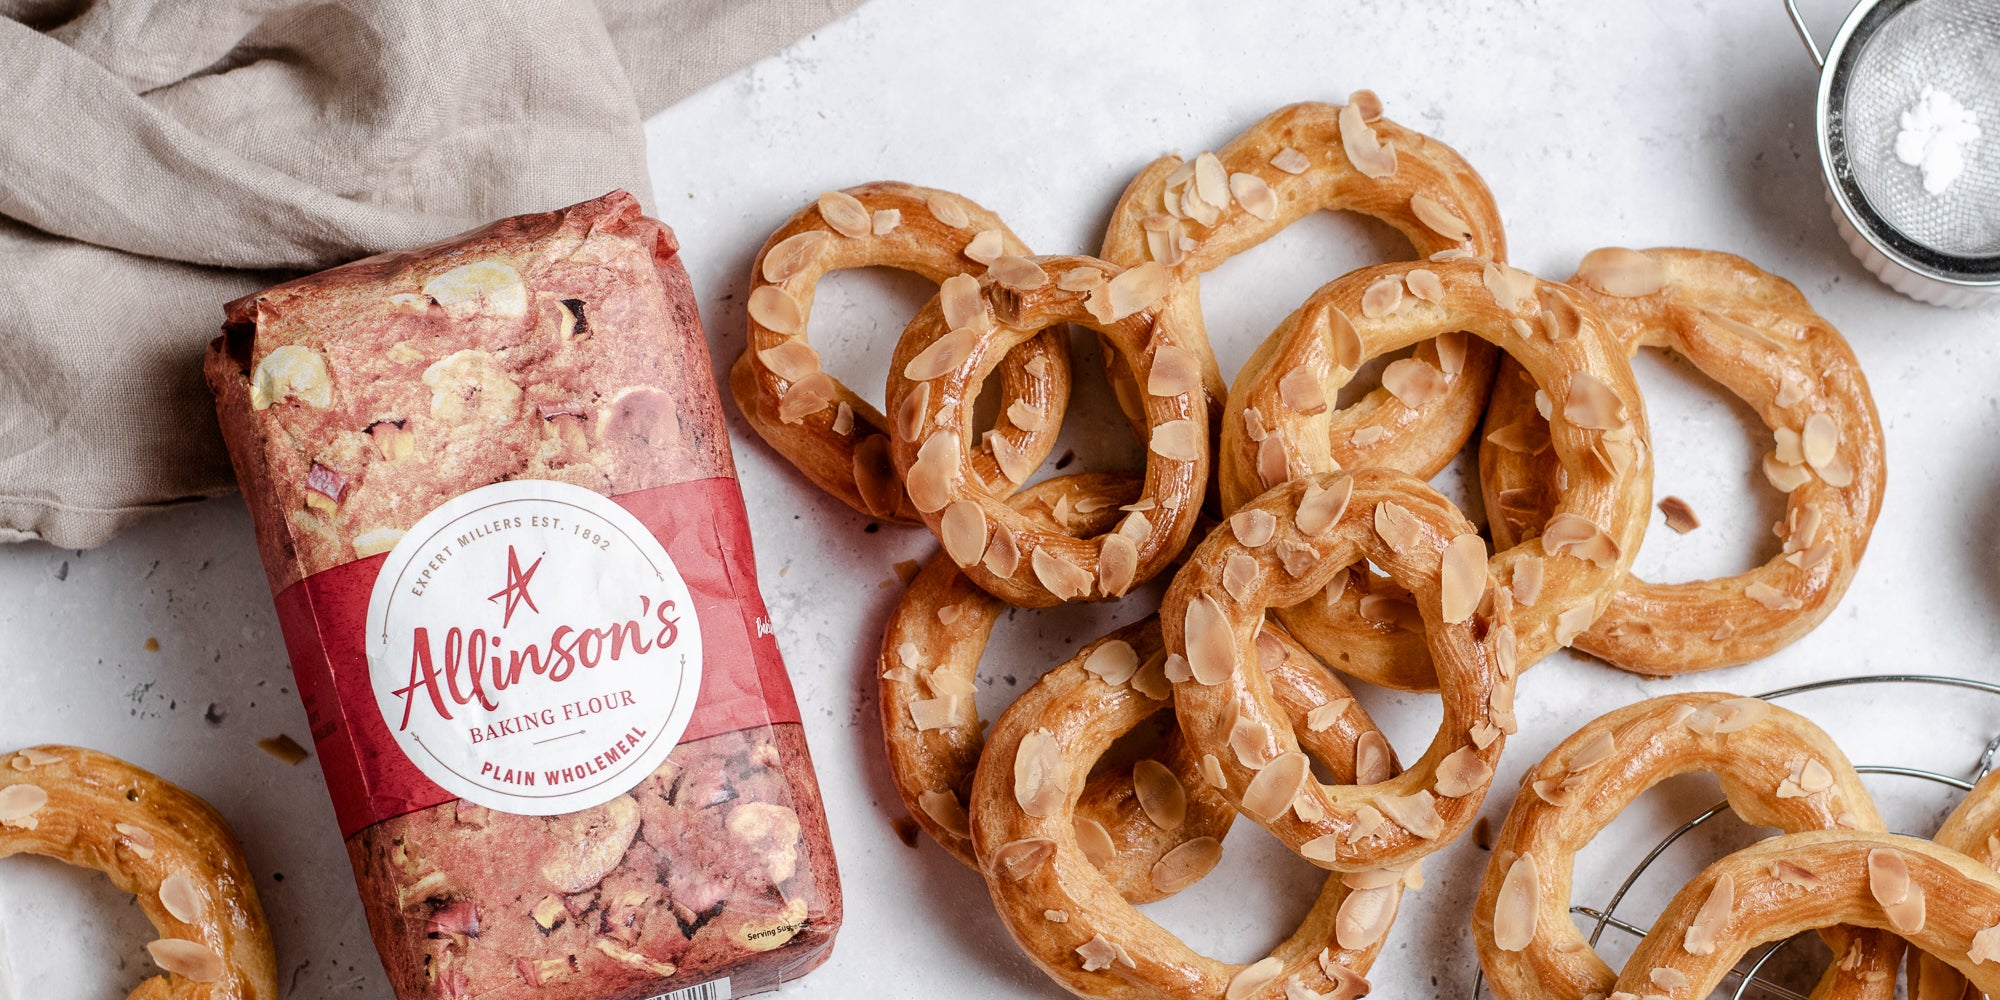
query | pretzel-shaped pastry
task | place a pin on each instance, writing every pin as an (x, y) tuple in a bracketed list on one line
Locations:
[(1072, 921), (930, 656), (1756, 335), (1974, 830), (1284, 547), (832, 435), (935, 376), (1301, 159), (1777, 770), (1280, 431), (161, 844), (1935, 898)]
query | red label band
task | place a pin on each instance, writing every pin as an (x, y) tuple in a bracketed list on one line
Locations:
[(701, 525)]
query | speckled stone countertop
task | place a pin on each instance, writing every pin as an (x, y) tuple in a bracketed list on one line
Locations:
[(1640, 124)]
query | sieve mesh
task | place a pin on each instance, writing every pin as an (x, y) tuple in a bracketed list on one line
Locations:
[(1954, 46)]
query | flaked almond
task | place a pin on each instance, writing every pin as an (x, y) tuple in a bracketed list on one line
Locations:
[(793, 254), (1679, 515), (810, 395), (1462, 773), (1580, 537), (1368, 821), (1273, 466), (1254, 195), (936, 468), (875, 475), (1151, 679), (1113, 661), (912, 411), (1080, 279), (1797, 875), (1186, 864), (1095, 842), (1065, 579), (1097, 954), (1342, 340), (1135, 526), (1621, 272), (1600, 749), (1524, 437), (1426, 285), (1252, 978), (1511, 287), (139, 839), (1040, 775), (1397, 527), (1134, 289), (1382, 297), (1439, 219), (1771, 597), (1160, 794), (1017, 859), (1483, 734), (1016, 462), (178, 896), (963, 531), (1175, 371), (1373, 764), (1321, 508), (1302, 391), (1211, 643), (1026, 416), (1179, 440), (1559, 792), (190, 960), (1785, 476), (1668, 979), (1253, 528), (1819, 439), (1414, 382), (1527, 578), (1291, 161), (1517, 908), (986, 246), (885, 220), (1271, 792), (1416, 812), (843, 419), (1251, 741), (943, 356), (946, 209), (1712, 919), (776, 310), (1322, 850), (1364, 917), (34, 757), (845, 214), (946, 811), (1462, 576), (1300, 558), (961, 302), (1211, 771), (20, 803), (1117, 564), (1889, 882), (1573, 622), (1211, 180), (1370, 156), (929, 714), (1018, 273), (1590, 403), (1239, 575), (1322, 717)]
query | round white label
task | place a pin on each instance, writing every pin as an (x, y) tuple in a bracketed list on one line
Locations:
[(532, 648)]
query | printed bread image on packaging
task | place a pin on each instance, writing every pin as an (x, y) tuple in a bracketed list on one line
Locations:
[(493, 493)]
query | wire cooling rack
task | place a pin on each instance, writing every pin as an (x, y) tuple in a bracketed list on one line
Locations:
[(1747, 976)]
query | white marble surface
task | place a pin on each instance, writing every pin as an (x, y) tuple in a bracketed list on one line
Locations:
[(1594, 123)]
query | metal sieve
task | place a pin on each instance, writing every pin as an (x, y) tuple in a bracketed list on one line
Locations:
[(1942, 248)]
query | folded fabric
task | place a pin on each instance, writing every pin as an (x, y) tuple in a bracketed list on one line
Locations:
[(159, 157)]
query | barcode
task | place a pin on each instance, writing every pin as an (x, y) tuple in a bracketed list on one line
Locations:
[(714, 989)]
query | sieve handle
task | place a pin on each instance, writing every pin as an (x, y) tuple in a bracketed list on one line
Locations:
[(1805, 34)]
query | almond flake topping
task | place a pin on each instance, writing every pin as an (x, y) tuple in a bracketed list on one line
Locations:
[(1440, 219), (1018, 272), (1211, 771), (1025, 416), (178, 895), (1784, 476), (1254, 195), (139, 839), (1322, 717), (885, 221), (1526, 437), (945, 810), (1819, 440), (843, 419), (1597, 751), (20, 803), (1113, 661), (1985, 946), (1253, 977), (1117, 563), (932, 474), (1462, 773), (1131, 291), (1211, 645), (961, 302), (776, 310), (190, 960), (1253, 527), (1291, 161), (1771, 597), (1325, 850), (1398, 528), (1151, 679), (1679, 515), (1668, 979), (1251, 741), (1372, 157), (1792, 874), (1159, 794), (1416, 813), (1383, 297), (1426, 285), (1372, 761), (845, 214), (1056, 916), (1518, 906), (34, 757), (1527, 580), (1510, 287), (943, 356), (1368, 820), (1039, 774), (963, 531), (1712, 919), (1415, 383), (1179, 440), (1271, 792), (1592, 404), (1211, 180), (1621, 272), (1098, 954), (1019, 858), (947, 210), (1186, 864), (1462, 576), (1573, 622), (806, 397), (1095, 842), (1302, 391), (1901, 897), (792, 254), (1364, 917), (1080, 279), (1580, 537), (1175, 372), (986, 246), (1239, 575), (1015, 461), (1319, 509), (1065, 579)]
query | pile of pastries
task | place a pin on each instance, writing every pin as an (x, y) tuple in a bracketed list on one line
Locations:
[(1302, 539)]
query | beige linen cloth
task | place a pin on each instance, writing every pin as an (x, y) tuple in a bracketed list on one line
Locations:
[(161, 157)]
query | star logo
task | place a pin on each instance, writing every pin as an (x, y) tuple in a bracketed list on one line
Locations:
[(515, 593)]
